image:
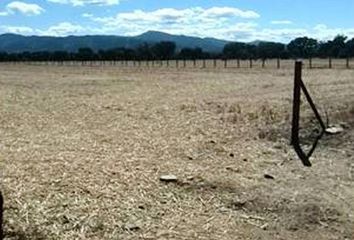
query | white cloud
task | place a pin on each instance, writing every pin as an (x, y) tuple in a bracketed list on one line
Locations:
[(87, 15), (62, 29), (229, 12), (279, 35), (58, 30), (24, 8), (219, 22), (3, 14), (17, 30), (196, 21), (281, 22), (87, 2), (320, 32), (323, 32)]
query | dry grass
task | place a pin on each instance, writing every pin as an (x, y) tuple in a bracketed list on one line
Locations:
[(82, 150)]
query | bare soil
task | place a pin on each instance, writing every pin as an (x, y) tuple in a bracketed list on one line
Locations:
[(82, 150)]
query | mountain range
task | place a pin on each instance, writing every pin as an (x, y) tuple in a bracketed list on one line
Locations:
[(14, 43)]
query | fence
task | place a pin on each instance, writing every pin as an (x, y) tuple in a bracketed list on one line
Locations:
[(299, 87), (205, 63)]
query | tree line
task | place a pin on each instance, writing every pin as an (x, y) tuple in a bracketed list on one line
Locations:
[(303, 47)]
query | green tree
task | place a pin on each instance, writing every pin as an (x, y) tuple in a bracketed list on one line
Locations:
[(144, 52), (191, 53), (270, 50), (236, 50), (303, 47), (85, 54), (324, 49), (4, 56), (349, 48), (338, 46), (60, 55), (163, 50)]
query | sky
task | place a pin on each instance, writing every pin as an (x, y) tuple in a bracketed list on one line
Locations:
[(234, 20)]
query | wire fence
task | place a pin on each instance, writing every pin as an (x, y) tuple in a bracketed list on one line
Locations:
[(316, 63)]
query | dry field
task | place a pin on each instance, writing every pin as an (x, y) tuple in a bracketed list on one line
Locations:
[(82, 150)]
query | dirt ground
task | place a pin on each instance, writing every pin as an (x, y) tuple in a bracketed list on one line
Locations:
[(82, 150)]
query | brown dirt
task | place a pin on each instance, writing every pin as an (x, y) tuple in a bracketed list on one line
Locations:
[(82, 149)]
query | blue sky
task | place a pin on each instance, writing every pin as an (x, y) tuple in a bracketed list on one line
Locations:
[(241, 20)]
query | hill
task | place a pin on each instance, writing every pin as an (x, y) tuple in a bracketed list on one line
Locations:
[(17, 43), (182, 41)]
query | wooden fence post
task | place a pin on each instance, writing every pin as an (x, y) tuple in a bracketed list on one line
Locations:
[(330, 62), (238, 63), (184, 63), (263, 63), (194, 62), (347, 64), (251, 64), (296, 99), (214, 63), (204, 63), (310, 63), (278, 63), (177, 63)]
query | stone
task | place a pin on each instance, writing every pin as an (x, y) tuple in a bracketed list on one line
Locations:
[(231, 169), (267, 176), (265, 226), (131, 227), (238, 204), (334, 130), (168, 178)]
